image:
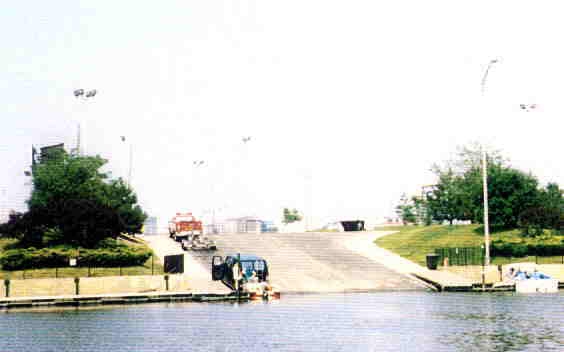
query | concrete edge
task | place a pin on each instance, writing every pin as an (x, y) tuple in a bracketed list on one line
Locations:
[(105, 299)]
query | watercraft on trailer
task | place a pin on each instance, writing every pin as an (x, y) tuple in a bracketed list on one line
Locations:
[(526, 278), (245, 273)]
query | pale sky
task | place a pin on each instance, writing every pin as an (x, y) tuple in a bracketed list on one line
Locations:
[(348, 102)]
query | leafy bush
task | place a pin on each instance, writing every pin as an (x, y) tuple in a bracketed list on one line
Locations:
[(114, 255), (549, 249), (14, 227), (128, 256), (519, 249)]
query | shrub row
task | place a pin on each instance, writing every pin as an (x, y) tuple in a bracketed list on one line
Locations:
[(512, 249), (31, 258)]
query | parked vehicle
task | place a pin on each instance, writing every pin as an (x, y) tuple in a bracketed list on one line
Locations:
[(244, 273), (198, 242), (183, 225)]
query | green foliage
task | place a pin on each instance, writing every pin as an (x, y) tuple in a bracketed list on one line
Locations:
[(72, 198), (415, 242), (510, 192), (290, 216), (502, 248), (448, 201), (406, 210), (514, 197), (421, 207), (532, 221), (508, 249), (14, 227), (407, 213), (106, 256)]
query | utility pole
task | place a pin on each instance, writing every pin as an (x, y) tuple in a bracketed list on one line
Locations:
[(84, 96), (485, 177), (129, 172)]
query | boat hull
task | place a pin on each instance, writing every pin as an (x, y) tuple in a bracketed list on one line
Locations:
[(536, 286)]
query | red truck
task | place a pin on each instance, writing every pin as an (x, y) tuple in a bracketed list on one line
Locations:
[(183, 225)]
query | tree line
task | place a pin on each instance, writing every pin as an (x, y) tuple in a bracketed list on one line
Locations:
[(516, 199)]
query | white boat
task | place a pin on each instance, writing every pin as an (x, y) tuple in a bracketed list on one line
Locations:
[(536, 286)]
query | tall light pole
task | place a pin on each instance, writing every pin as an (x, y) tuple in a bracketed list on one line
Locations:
[(123, 139), (83, 96), (485, 176)]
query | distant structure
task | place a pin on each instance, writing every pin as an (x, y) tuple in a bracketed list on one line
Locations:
[(345, 226), (150, 226), (245, 224)]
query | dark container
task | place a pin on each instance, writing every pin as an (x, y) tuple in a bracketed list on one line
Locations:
[(432, 261), (354, 225), (174, 264)]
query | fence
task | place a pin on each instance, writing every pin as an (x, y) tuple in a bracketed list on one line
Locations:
[(475, 256), (151, 267), (461, 256)]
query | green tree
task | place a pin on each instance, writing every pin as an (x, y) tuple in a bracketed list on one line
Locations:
[(510, 193), (448, 201), (290, 216), (406, 210), (552, 199), (72, 195), (459, 190), (547, 214)]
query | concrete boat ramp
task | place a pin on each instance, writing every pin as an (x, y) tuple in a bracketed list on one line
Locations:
[(313, 262), (299, 262)]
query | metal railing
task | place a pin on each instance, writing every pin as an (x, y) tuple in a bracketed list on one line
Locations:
[(151, 267)]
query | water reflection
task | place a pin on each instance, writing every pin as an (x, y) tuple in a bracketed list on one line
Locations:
[(508, 322)]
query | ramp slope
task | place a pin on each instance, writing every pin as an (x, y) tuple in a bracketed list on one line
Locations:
[(311, 262)]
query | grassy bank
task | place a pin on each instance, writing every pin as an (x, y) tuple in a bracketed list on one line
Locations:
[(415, 242), (151, 266)]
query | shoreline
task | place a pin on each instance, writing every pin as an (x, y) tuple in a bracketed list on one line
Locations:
[(113, 299)]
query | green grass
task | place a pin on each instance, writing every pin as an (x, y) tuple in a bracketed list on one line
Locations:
[(415, 242), (148, 268)]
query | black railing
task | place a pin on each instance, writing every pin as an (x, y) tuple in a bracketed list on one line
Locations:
[(475, 256), (151, 267), (461, 255)]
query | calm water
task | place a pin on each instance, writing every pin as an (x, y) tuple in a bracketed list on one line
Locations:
[(421, 321)]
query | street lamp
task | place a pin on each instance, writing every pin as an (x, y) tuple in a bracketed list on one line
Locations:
[(123, 139), (200, 164), (84, 96), (485, 176)]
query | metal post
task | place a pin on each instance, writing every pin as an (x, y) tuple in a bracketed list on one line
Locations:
[(166, 281), (240, 269), (7, 285), (483, 275), (130, 163), (76, 285), (486, 218), (152, 264), (56, 272), (484, 174)]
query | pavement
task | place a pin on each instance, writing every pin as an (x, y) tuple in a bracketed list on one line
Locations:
[(363, 244), (298, 262), (198, 274)]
